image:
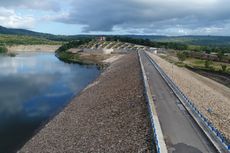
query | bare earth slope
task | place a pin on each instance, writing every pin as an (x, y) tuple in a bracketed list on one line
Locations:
[(108, 116), (210, 97), (33, 48)]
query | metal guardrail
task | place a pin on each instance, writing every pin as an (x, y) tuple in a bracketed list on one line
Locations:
[(177, 91), (155, 124)]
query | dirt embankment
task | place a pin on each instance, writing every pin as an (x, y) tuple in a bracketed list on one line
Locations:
[(99, 58), (33, 48), (110, 115), (210, 97)]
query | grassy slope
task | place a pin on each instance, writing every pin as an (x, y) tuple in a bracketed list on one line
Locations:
[(198, 66), (198, 63)]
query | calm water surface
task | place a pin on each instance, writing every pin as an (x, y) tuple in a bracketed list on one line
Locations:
[(33, 88)]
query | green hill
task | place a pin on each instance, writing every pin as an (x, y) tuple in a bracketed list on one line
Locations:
[(10, 31), (220, 41), (23, 32)]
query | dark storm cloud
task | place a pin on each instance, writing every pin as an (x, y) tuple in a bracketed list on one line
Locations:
[(149, 15), (172, 17)]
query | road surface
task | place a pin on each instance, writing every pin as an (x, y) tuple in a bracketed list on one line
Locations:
[(181, 133)]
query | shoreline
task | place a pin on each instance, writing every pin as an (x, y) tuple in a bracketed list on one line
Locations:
[(32, 48), (83, 58), (99, 118)]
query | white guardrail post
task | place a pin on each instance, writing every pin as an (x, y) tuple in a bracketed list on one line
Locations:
[(157, 132), (189, 103)]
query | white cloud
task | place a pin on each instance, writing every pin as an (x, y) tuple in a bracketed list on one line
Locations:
[(46, 5), (53, 17), (9, 18)]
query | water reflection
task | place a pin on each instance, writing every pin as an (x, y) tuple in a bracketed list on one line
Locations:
[(33, 87)]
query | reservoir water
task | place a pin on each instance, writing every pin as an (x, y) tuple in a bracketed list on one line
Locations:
[(33, 88)]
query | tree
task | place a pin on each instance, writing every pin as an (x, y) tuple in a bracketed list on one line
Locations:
[(220, 55), (207, 64), (182, 56), (206, 49), (73, 44), (3, 49), (224, 67)]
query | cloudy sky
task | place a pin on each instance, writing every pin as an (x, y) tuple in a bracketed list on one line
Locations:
[(158, 17)]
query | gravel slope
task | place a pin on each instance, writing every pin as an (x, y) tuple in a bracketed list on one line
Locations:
[(108, 116), (210, 97)]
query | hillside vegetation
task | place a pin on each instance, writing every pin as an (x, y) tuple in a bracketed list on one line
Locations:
[(25, 40), (214, 41), (24, 32), (215, 70)]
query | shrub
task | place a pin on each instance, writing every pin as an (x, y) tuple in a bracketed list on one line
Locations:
[(73, 44), (207, 64), (3, 49), (182, 56), (220, 55), (224, 67)]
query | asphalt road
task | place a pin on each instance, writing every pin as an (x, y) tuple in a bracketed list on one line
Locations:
[(181, 133)]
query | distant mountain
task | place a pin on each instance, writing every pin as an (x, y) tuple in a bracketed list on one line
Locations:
[(10, 31), (223, 41), (23, 32), (190, 40)]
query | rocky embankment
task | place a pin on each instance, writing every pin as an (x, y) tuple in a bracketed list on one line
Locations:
[(33, 48), (110, 115), (210, 97)]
